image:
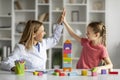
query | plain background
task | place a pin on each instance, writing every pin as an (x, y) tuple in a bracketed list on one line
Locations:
[(113, 31)]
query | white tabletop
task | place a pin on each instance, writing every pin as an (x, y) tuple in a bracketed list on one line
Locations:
[(7, 75)]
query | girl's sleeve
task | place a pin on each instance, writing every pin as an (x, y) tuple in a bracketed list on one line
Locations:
[(54, 39), (104, 53), (84, 41), (8, 63)]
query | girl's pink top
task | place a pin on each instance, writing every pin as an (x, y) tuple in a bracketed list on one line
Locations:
[(91, 55)]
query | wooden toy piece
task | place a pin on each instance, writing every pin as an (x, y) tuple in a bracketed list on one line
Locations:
[(57, 70), (94, 69), (67, 69), (35, 73), (56, 73), (103, 71), (94, 73), (62, 74), (72, 74), (40, 73), (67, 41), (84, 72), (113, 72)]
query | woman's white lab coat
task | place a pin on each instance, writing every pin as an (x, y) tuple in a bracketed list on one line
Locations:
[(34, 59)]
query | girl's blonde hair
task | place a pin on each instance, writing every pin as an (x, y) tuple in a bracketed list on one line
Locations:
[(27, 37), (99, 27)]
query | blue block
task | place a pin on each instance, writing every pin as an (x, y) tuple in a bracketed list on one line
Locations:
[(67, 65), (69, 55), (73, 74)]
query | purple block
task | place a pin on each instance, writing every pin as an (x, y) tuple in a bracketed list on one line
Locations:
[(103, 71), (67, 46)]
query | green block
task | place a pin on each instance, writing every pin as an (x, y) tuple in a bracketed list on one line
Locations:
[(94, 69)]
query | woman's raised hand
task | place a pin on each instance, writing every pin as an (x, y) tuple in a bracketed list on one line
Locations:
[(61, 18)]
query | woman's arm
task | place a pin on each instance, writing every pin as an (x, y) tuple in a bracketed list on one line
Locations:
[(54, 39), (8, 63)]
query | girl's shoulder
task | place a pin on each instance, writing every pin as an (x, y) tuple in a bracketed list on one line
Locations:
[(85, 40)]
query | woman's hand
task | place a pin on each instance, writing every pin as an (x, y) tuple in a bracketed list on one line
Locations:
[(61, 19)]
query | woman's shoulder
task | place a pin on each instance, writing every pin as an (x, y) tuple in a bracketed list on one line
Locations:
[(20, 46)]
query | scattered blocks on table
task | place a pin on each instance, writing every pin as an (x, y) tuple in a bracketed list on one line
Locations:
[(58, 73), (37, 73)]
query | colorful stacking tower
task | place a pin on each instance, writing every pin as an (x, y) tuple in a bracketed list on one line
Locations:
[(67, 56)]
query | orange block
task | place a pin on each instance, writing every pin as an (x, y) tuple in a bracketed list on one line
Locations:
[(65, 55), (67, 69)]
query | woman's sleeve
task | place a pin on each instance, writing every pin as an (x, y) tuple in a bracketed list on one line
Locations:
[(8, 63), (54, 39)]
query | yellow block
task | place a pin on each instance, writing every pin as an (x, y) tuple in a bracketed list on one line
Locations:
[(35, 73), (84, 72)]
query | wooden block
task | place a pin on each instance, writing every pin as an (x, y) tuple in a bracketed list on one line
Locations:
[(103, 71), (94, 70), (35, 73), (67, 69), (62, 74), (113, 72), (67, 59), (65, 55), (40, 74), (84, 72), (94, 73), (72, 74)]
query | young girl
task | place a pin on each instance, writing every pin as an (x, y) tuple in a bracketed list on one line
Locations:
[(94, 47), (32, 47)]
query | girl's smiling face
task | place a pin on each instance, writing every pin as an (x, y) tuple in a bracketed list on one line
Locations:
[(90, 34)]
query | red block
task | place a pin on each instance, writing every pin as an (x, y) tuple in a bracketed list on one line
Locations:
[(113, 72), (57, 71), (62, 74)]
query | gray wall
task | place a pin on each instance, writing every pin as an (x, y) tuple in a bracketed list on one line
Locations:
[(113, 31)]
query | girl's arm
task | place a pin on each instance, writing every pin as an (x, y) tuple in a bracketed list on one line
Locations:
[(71, 32), (69, 29), (108, 64)]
